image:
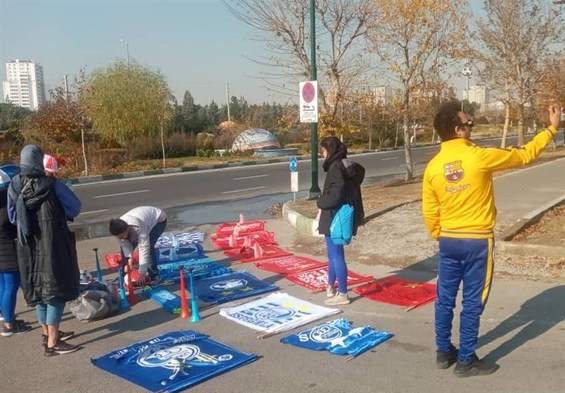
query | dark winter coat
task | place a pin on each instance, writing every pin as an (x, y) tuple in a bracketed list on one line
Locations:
[(8, 257), (46, 248), (48, 262), (342, 185)]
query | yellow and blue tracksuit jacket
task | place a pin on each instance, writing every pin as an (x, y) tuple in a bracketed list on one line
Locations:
[(459, 210), (457, 189)]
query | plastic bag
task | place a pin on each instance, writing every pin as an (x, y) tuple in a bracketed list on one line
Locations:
[(94, 304)]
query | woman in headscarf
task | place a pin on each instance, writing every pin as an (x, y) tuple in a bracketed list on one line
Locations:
[(9, 273), (342, 185), (40, 206)]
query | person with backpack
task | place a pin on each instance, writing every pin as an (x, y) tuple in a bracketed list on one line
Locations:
[(342, 185), (40, 206)]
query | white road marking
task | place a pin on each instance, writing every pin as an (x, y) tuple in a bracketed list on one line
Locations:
[(249, 177), (390, 158), (94, 212), (243, 190), (118, 194)]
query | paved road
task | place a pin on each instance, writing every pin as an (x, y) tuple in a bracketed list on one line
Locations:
[(104, 200)]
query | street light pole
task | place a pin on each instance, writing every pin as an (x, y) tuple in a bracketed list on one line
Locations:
[(467, 72), (314, 189), (127, 49)]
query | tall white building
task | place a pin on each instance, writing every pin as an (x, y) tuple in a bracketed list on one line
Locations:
[(24, 84), (479, 94), (383, 95)]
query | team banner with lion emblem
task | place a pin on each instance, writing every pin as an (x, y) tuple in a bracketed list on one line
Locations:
[(276, 313), (339, 337), (172, 361)]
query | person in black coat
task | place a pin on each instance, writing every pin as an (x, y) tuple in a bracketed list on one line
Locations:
[(9, 273), (40, 205), (342, 185)]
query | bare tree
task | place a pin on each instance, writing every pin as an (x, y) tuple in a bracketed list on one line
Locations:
[(414, 39), (284, 26), (513, 42)]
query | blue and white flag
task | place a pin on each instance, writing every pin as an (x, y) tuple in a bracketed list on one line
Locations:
[(276, 313), (165, 298), (231, 286), (168, 239), (201, 268), (173, 254), (339, 337), (172, 361)]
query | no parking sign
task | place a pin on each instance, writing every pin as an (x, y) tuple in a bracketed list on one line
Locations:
[(308, 92)]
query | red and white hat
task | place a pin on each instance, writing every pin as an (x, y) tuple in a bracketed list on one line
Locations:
[(52, 164)]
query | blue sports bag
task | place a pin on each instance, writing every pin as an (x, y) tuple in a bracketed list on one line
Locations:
[(341, 228)]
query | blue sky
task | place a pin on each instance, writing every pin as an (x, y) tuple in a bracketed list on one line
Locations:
[(197, 44)]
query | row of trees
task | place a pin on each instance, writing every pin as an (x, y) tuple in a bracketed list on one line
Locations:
[(413, 42)]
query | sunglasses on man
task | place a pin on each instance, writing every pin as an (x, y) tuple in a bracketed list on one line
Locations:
[(468, 123)]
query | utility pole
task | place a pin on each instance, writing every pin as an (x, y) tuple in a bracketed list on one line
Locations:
[(228, 100), (314, 188), (66, 87), (467, 72)]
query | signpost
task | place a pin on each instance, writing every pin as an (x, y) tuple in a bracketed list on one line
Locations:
[(309, 102), (293, 166)]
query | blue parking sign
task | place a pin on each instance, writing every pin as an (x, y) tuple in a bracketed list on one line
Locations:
[(293, 164)]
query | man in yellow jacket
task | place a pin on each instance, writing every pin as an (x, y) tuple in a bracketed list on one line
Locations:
[(459, 211)]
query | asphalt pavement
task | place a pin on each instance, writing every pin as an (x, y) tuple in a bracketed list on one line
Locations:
[(522, 329)]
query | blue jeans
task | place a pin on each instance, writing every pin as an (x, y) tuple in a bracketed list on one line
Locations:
[(49, 314), (337, 268), (9, 284), (469, 261)]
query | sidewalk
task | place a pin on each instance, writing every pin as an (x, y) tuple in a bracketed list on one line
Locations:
[(522, 329), (520, 196)]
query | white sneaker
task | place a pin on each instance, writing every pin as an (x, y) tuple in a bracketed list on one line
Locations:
[(330, 291), (338, 300)]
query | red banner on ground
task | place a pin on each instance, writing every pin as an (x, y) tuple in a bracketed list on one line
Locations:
[(255, 253), (227, 228), (247, 240), (317, 279), (395, 290), (290, 264)]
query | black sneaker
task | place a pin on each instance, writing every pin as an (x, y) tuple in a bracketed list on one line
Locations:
[(444, 360), (63, 336), (474, 368), (17, 328), (61, 348)]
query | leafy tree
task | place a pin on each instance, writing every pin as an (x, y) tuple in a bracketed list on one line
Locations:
[(127, 100), (285, 28), (414, 39), (513, 42), (11, 120)]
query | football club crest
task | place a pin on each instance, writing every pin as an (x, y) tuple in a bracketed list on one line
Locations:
[(453, 171), (228, 284)]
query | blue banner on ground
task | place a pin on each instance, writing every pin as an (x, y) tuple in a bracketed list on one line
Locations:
[(339, 337), (173, 254), (201, 268), (170, 240), (231, 286), (168, 300), (172, 361)]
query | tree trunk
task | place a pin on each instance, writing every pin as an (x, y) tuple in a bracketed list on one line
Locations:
[(406, 130), (521, 125), (163, 144), (506, 124), (84, 152)]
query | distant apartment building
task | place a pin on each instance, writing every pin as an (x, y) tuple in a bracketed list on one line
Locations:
[(479, 95), (24, 84), (383, 95)]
